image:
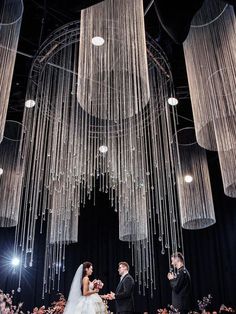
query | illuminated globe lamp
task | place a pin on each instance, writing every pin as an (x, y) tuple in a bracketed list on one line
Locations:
[(30, 103), (15, 261), (103, 149), (188, 178), (172, 101), (98, 41)]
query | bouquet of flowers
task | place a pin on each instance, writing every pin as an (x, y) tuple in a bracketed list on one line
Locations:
[(202, 304), (98, 284)]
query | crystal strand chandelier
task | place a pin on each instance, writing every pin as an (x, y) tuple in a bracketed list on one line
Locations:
[(193, 183), (210, 55), (102, 136), (10, 175), (11, 12)]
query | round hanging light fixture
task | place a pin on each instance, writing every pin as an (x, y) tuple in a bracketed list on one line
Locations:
[(103, 149), (15, 262), (98, 41), (30, 103), (172, 101), (188, 178)]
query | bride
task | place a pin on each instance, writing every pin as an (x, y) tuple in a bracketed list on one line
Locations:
[(83, 297)]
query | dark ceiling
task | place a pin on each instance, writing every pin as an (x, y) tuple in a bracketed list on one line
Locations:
[(165, 20)]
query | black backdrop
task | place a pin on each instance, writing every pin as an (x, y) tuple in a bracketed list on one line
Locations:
[(210, 255)]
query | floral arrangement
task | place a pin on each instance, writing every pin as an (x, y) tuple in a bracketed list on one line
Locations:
[(170, 310), (162, 311), (202, 304), (56, 308), (98, 284), (6, 304), (224, 308)]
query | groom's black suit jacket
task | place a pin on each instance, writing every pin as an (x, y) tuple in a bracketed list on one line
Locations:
[(124, 295)]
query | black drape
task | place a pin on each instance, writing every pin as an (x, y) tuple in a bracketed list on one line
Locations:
[(210, 255)]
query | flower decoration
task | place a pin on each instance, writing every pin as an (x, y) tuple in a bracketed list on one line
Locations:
[(202, 304), (6, 304)]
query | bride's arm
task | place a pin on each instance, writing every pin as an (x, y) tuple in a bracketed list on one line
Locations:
[(86, 291)]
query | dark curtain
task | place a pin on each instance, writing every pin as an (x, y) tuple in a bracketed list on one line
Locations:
[(210, 256)]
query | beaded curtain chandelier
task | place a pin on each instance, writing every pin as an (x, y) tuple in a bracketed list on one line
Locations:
[(101, 118), (10, 22), (10, 175), (210, 55), (193, 183)]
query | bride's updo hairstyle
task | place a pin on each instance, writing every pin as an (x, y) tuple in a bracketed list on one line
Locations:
[(86, 265)]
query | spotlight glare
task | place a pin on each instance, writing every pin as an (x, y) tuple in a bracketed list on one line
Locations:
[(103, 149), (15, 261), (1, 171), (173, 101), (98, 41), (188, 178), (30, 103)]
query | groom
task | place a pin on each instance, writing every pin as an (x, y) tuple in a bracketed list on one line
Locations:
[(124, 292)]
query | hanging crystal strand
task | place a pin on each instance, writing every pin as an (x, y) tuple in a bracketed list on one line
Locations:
[(62, 223)]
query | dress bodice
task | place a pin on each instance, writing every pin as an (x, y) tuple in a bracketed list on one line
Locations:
[(91, 286)]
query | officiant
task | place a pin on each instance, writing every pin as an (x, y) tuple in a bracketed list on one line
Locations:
[(180, 283)]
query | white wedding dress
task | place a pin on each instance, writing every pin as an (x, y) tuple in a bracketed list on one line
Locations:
[(79, 304), (91, 304)]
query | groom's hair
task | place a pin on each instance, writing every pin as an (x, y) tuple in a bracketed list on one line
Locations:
[(124, 264)]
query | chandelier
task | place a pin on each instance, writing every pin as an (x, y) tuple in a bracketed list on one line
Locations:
[(100, 123), (210, 55), (10, 22), (193, 183), (10, 175)]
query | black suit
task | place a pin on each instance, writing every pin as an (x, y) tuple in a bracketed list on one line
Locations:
[(124, 295), (181, 290)]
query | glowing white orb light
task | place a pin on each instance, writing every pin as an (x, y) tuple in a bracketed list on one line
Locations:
[(172, 101), (188, 178), (15, 261), (98, 41), (30, 103), (103, 149)]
